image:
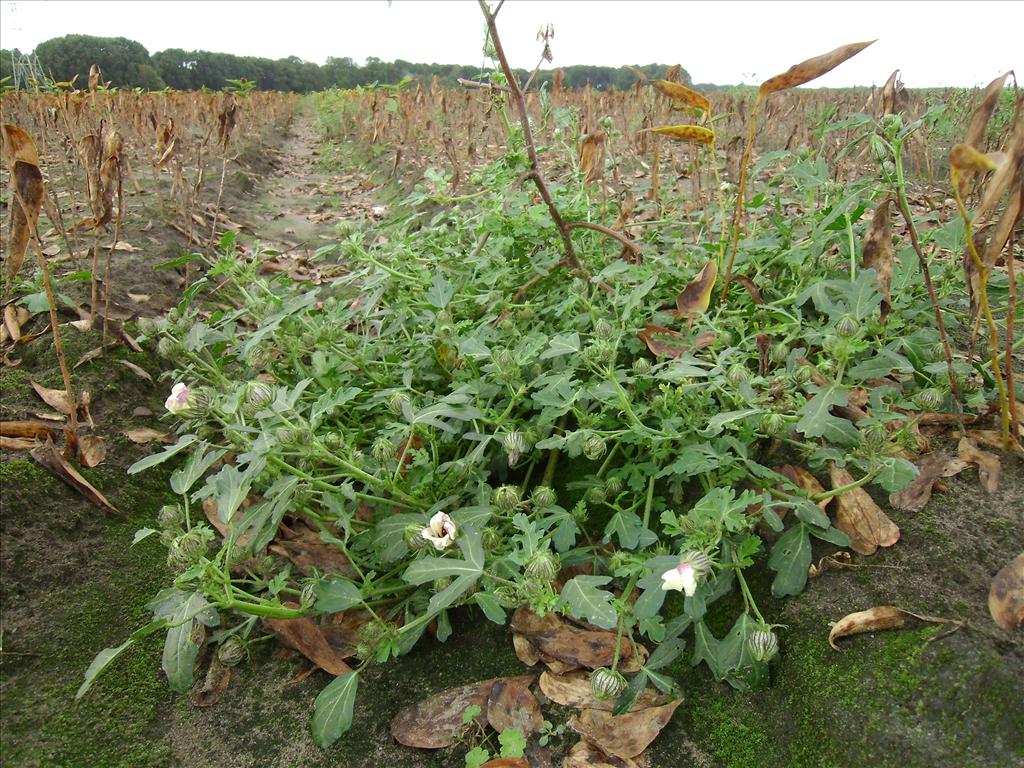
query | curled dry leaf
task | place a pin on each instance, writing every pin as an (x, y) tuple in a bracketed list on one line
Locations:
[(592, 156), (811, 69), (627, 735), (987, 463), (930, 468), (437, 722), (838, 561), (26, 200), (17, 443), (695, 133), (92, 450), (975, 135), (145, 435), (695, 298), (878, 254), (55, 398), (525, 650), (343, 630), (804, 480), (1006, 597), (49, 457), (511, 705), (562, 642), (587, 755), (92, 354), (142, 373), (681, 95), (506, 762), (32, 429), (304, 636), (216, 683), (664, 342), (871, 620), (573, 690), (860, 518), (308, 552)]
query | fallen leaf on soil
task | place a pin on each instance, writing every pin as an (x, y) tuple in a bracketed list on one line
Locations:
[(860, 518), (216, 683), (139, 298), (142, 411), (586, 755), (17, 443), (838, 561), (305, 637), (880, 618), (308, 552), (92, 354), (437, 722), (91, 450), (49, 457), (803, 479), (343, 630), (930, 468), (573, 690), (561, 641), (506, 762), (25, 429), (987, 463), (1006, 597), (511, 705), (871, 620), (623, 735), (49, 415), (525, 650), (55, 398), (140, 372), (11, 322), (145, 435)]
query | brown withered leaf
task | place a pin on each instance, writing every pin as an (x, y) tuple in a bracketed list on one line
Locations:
[(33, 429), (145, 435), (751, 288), (11, 322), (573, 690), (525, 650), (55, 398), (511, 705), (871, 620), (214, 685), (565, 643), (987, 463), (343, 629), (17, 443), (304, 636), (695, 133), (436, 722), (878, 254), (695, 298), (48, 456), (586, 755), (804, 480), (92, 450), (811, 69), (506, 762), (27, 191), (627, 735), (308, 552), (664, 342), (142, 373), (860, 518), (681, 95), (89, 356), (975, 135), (839, 561), (930, 468), (592, 156), (878, 619), (1006, 596)]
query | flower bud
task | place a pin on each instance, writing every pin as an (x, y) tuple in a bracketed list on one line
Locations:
[(258, 395), (763, 645), (606, 683), (490, 538), (148, 326), (507, 596), (307, 597), (879, 150), (641, 366), (397, 402), (847, 326), (515, 446), (168, 347), (413, 536), (170, 516), (603, 329), (929, 399), (737, 374), (440, 585), (594, 448), (596, 495), (543, 497), (543, 566), (613, 486), (772, 424), (506, 498), (232, 651), (779, 352)]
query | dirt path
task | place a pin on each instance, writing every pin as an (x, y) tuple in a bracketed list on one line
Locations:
[(72, 584)]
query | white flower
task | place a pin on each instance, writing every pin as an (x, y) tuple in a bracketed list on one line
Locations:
[(682, 578), (179, 401), (441, 531)]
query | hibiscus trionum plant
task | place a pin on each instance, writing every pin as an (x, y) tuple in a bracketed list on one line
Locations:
[(459, 420)]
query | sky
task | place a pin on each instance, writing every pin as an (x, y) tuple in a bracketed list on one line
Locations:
[(940, 43)]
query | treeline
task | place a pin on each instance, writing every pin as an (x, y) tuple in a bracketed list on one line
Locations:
[(127, 64)]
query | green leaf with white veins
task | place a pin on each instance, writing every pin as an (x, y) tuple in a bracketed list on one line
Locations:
[(562, 344), (816, 416), (585, 601), (180, 651), (465, 572), (332, 710), (790, 559)]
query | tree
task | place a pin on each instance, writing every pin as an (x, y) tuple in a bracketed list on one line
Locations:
[(124, 62)]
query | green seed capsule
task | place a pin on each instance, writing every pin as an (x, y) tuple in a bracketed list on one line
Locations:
[(606, 683), (594, 448), (232, 651), (543, 497)]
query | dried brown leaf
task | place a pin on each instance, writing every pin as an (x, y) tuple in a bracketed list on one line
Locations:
[(592, 151), (308, 552), (304, 636), (49, 457), (26, 200), (17, 443), (33, 429), (92, 450), (860, 518), (694, 299), (871, 620), (11, 323), (55, 398), (145, 435), (142, 373), (805, 480), (1006, 596), (214, 685), (839, 561), (587, 755), (525, 650), (930, 468), (577, 647), (695, 133), (987, 463), (511, 705), (975, 134), (811, 69), (624, 736), (573, 690), (682, 95), (92, 354), (878, 253)]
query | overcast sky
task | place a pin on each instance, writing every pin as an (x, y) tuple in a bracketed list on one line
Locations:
[(932, 43)]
